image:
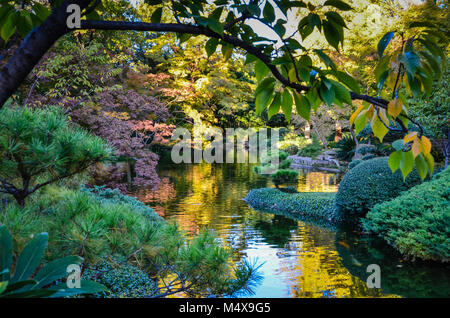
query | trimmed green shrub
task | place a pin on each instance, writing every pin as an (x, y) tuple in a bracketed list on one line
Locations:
[(417, 223), (283, 176), (282, 172), (354, 163), (313, 206), (368, 157), (367, 184), (311, 150)]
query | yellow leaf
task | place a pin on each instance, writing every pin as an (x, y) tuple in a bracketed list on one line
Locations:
[(370, 111), (395, 107), (410, 137), (355, 114), (426, 145), (378, 128), (416, 147)]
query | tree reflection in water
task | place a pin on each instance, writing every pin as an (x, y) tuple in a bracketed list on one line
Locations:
[(300, 259)]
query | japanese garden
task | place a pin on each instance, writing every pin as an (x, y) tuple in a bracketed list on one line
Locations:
[(224, 148)]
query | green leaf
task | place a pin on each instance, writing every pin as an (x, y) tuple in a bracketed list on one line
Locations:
[(87, 287), (55, 270), (215, 25), (8, 27), (349, 81), (305, 31), (406, 163), (36, 293), (411, 61), (384, 43), (313, 97), (274, 107), (250, 58), (434, 64), (25, 24), (211, 46), (263, 99), (325, 58), (394, 160), (336, 18), (157, 15), (19, 285), (341, 93), (30, 258), (327, 94), (302, 105), (279, 28), (6, 250), (379, 130), (3, 286), (421, 166), (332, 35), (381, 67), (261, 70), (286, 104), (361, 121), (269, 12), (341, 5), (303, 73), (216, 14), (398, 144), (430, 161), (265, 84), (41, 12), (227, 50)]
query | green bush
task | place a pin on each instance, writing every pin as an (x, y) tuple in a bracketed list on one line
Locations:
[(311, 150), (284, 176), (354, 163), (122, 280), (417, 223), (367, 184), (292, 143), (368, 157), (313, 206), (282, 172)]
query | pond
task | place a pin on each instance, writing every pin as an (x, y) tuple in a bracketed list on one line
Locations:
[(299, 259)]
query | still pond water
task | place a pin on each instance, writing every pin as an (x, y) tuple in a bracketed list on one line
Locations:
[(300, 259)]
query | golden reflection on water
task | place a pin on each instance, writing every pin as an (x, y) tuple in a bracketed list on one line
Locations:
[(300, 260)]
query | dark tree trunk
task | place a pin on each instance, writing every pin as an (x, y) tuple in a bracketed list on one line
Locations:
[(33, 48), (20, 199)]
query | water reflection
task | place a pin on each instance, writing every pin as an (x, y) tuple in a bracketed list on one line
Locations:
[(300, 259)]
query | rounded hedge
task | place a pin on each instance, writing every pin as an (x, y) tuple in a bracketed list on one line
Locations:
[(354, 163), (367, 184), (417, 223)]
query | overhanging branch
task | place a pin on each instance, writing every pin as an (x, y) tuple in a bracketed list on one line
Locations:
[(198, 30)]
